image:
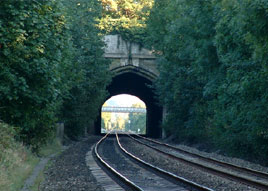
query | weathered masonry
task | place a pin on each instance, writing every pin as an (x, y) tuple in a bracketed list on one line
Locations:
[(130, 57), (134, 70)]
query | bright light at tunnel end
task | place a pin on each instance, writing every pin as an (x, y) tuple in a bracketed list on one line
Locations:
[(124, 100), (124, 122)]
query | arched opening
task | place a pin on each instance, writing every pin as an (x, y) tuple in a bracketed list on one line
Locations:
[(124, 113), (134, 84)]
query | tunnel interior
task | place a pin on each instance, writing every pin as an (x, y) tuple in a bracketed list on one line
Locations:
[(137, 85)]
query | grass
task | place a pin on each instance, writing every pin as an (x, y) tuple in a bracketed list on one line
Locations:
[(54, 147), (12, 179), (17, 162)]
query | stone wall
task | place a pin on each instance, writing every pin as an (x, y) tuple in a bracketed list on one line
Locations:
[(130, 57)]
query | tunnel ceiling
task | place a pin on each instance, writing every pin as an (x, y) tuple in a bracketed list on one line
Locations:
[(131, 83)]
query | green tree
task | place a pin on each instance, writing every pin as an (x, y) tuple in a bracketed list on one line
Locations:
[(213, 71), (187, 62), (242, 102), (136, 122), (126, 17), (106, 119), (34, 63), (50, 69), (81, 107)]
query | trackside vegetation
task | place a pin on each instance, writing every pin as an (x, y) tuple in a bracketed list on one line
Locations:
[(16, 161), (214, 72), (212, 57), (126, 17), (81, 106), (34, 66), (50, 69)]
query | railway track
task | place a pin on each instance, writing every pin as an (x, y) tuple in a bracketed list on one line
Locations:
[(135, 173), (233, 172)]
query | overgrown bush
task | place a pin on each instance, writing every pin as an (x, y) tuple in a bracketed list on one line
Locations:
[(34, 66), (213, 72), (82, 105), (50, 69)]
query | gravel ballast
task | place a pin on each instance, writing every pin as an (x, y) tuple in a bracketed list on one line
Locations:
[(181, 169), (69, 171), (144, 178), (232, 160)]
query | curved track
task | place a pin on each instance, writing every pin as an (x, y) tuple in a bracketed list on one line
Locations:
[(246, 176), (137, 174)]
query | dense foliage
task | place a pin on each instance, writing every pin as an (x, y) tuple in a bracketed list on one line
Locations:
[(82, 106), (213, 71), (136, 123), (212, 57), (33, 66), (44, 61), (16, 161), (126, 17)]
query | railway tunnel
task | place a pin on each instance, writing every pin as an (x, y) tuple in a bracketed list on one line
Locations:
[(134, 70), (139, 86)]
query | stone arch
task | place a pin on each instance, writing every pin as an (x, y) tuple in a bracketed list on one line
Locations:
[(134, 70), (137, 85), (129, 56)]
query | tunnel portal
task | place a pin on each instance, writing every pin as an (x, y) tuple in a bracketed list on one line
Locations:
[(134, 69), (134, 84)]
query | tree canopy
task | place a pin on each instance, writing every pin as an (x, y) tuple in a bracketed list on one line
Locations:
[(82, 106), (126, 17), (34, 65), (47, 62), (213, 71), (212, 59)]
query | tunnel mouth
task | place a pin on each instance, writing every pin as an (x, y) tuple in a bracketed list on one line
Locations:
[(124, 113), (134, 84)]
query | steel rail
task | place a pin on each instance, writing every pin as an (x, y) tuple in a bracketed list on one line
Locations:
[(221, 163), (164, 172), (126, 181), (256, 184)]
